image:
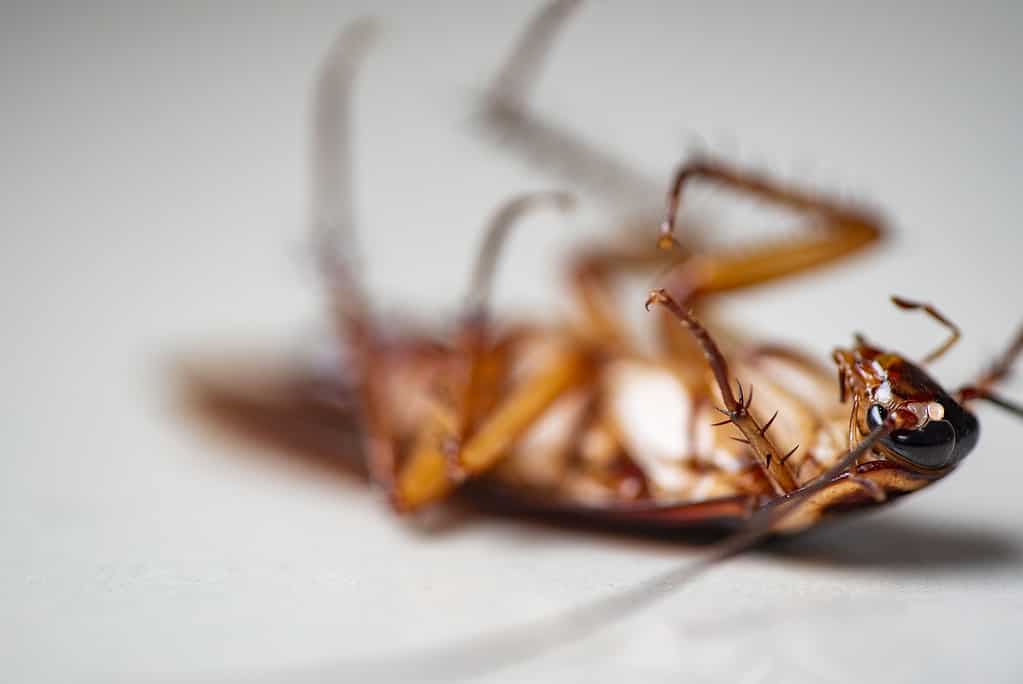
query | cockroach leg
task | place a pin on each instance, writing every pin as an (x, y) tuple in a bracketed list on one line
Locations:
[(520, 71), (496, 235), (426, 476), (462, 441), (936, 315), (998, 372), (332, 201), (969, 393), (592, 274), (776, 471), (806, 363), (477, 346), (806, 412), (844, 231), (505, 115), (333, 228)]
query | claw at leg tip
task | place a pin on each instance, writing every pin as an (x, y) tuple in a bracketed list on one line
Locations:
[(655, 297)]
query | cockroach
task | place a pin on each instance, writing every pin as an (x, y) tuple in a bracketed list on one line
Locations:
[(576, 419)]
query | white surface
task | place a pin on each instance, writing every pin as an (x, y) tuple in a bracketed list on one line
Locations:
[(153, 199)]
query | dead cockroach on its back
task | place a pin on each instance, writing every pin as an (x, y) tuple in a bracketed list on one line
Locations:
[(575, 418)]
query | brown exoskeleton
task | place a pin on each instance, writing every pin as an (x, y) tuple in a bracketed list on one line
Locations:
[(578, 419)]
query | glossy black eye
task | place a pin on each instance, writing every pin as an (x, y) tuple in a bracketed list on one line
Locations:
[(938, 444), (876, 415)]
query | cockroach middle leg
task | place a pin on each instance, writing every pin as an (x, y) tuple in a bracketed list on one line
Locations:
[(770, 459), (841, 231)]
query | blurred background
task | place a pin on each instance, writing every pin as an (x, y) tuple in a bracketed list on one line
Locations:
[(155, 190)]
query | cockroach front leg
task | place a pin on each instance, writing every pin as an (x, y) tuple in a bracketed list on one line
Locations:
[(999, 371), (771, 461), (737, 409)]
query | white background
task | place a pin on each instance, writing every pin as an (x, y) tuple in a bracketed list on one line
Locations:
[(154, 188)]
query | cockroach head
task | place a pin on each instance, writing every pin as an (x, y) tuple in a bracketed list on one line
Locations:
[(938, 431)]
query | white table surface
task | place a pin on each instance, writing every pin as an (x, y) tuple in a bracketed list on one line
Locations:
[(154, 188)]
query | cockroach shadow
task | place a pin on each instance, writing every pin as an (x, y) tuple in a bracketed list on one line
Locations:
[(899, 542)]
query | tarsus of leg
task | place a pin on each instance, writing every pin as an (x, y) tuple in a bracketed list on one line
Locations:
[(953, 329)]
